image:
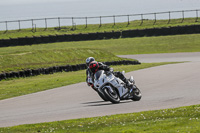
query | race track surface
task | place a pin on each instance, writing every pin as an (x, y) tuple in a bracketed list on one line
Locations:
[(166, 57), (162, 87)]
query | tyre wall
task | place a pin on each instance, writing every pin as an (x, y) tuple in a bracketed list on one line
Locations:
[(51, 70), (100, 35)]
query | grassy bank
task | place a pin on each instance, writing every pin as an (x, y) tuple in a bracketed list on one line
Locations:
[(91, 28), (46, 55), (21, 86), (143, 45), (183, 119), (140, 45), (31, 59)]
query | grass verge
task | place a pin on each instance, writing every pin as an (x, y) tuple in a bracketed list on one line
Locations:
[(140, 45), (33, 59), (91, 28), (53, 54), (21, 86), (182, 119)]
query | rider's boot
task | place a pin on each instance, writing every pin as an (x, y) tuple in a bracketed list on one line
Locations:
[(128, 84)]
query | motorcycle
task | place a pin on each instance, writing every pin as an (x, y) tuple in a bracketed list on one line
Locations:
[(113, 89)]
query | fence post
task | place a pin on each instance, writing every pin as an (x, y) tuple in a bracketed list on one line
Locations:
[(169, 17), (100, 21), (154, 19), (183, 16), (141, 19), (19, 25), (85, 22), (45, 23), (59, 22), (32, 25), (72, 22), (196, 16), (128, 19), (114, 19), (6, 26)]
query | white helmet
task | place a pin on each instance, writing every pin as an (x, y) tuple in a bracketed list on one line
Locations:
[(89, 59)]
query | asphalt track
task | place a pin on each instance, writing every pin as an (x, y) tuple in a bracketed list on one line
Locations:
[(162, 87)]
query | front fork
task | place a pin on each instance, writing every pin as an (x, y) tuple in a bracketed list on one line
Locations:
[(128, 95)]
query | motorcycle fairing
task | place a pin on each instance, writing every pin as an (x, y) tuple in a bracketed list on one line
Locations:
[(102, 80)]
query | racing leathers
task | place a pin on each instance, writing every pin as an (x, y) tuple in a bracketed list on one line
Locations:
[(90, 75)]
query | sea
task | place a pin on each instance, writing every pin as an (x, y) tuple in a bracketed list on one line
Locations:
[(76, 12)]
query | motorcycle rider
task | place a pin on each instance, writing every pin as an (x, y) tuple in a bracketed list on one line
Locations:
[(90, 74), (94, 66)]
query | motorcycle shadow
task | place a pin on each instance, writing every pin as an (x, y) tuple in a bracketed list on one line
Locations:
[(104, 103)]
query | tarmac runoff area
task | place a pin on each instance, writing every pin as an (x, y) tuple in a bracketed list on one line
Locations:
[(166, 86)]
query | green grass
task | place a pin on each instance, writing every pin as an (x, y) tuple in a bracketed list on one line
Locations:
[(52, 54), (182, 119), (91, 28), (22, 86), (143, 45), (46, 58), (140, 45)]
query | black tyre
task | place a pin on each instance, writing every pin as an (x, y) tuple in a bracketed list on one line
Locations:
[(136, 93), (111, 95), (102, 96)]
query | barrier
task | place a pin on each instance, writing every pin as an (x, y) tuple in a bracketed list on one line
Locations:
[(55, 69), (100, 35)]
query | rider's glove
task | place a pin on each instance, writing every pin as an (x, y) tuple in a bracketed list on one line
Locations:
[(111, 69)]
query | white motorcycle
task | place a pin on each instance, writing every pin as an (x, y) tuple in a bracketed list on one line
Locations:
[(113, 89)]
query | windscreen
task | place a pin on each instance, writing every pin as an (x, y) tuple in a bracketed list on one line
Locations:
[(98, 74)]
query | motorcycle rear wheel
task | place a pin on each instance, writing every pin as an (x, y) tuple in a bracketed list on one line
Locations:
[(111, 96)]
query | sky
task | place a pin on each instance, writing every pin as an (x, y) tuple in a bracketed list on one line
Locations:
[(10, 2), (13, 2), (21, 9), (31, 9)]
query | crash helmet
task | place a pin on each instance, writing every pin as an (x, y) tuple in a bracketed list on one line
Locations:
[(89, 60), (94, 66)]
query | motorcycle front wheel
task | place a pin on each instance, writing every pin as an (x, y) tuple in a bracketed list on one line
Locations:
[(102, 96), (136, 93), (111, 95)]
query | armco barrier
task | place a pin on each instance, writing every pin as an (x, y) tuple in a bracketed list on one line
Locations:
[(51, 70), (4, 42), (101, 35)]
